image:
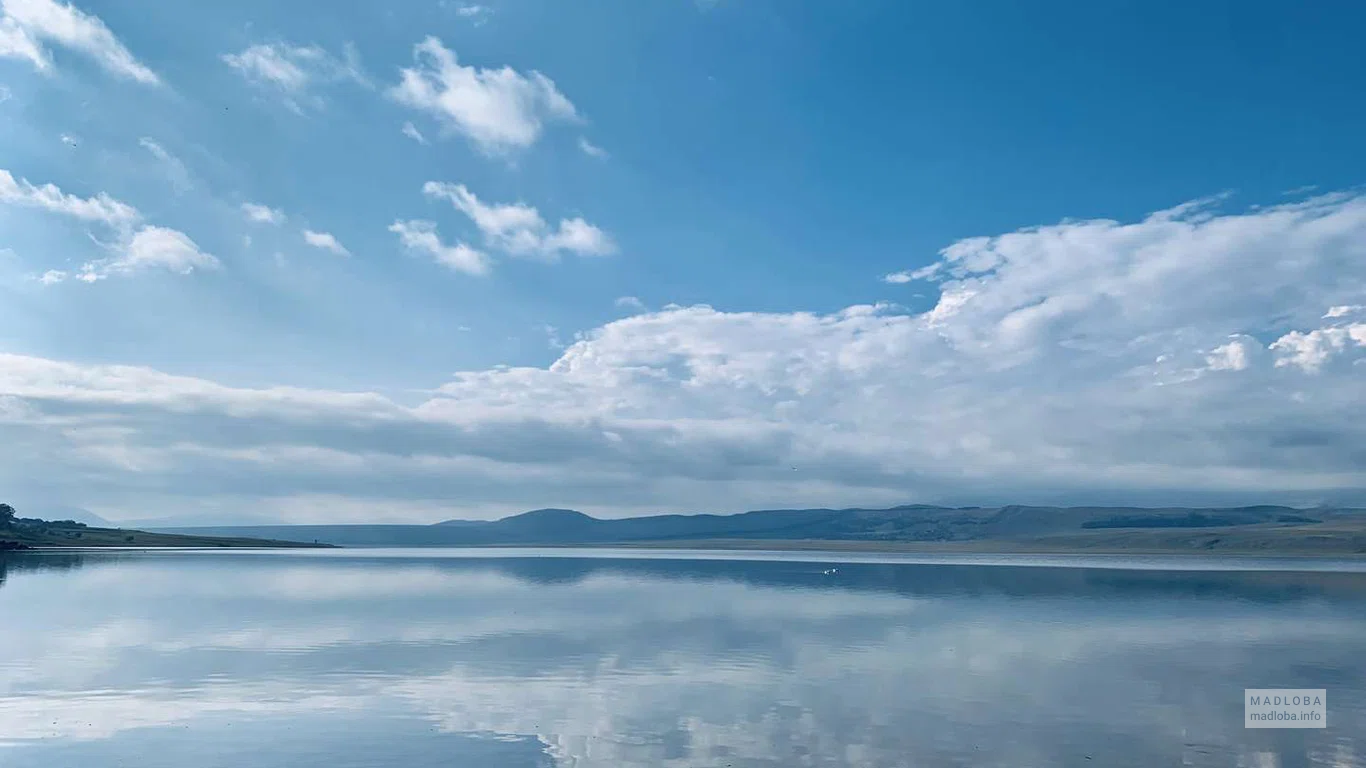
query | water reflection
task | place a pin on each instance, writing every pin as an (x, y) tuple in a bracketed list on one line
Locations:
[(276, 659)]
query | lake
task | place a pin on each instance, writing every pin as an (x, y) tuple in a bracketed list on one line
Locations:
[(422, 658)]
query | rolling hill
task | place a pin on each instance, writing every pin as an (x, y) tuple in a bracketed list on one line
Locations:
[(1029, 528)]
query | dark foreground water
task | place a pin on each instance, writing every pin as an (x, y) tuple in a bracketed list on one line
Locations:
[(423, 659)]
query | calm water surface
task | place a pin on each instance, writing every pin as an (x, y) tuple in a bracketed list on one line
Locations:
[(418, 659)]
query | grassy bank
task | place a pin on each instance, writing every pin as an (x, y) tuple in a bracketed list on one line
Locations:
[(54, 536), (18, 532)]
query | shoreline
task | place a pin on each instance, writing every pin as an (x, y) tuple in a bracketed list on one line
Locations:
[(982, 548)]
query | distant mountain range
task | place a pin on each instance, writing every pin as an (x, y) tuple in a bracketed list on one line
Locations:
[(904, 524), (78, 514)]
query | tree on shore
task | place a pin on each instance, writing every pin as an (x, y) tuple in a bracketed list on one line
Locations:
[(6, 515)]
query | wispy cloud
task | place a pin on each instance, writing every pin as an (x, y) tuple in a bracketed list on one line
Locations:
[(631, 303), (100, 208), (552, 337), (518, 229), (591, 149), (422, 237), (263, 214), (25, 25), (325, 241), (498, 110), (292, 72), (477, 14), (175, 170), (413, 133), (911, 275), (17, 43)]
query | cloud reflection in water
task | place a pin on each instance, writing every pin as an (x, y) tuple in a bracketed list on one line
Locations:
[(440, 661)]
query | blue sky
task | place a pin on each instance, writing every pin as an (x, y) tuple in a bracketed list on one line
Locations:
[(757, 218)]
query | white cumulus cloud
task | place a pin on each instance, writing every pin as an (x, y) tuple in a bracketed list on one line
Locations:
[(499, 110), (152, 248), (148, 249), (1236, 355), (136, 247), (25, 25), (1177, 358), (1311, 350)]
